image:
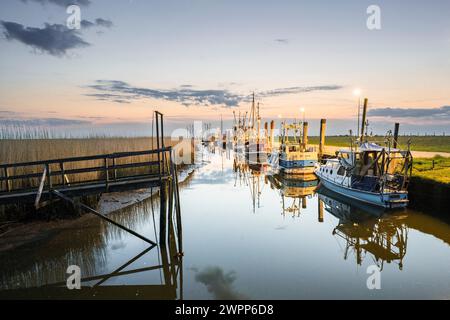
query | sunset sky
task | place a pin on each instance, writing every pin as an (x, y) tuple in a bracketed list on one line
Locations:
[(199, 59)]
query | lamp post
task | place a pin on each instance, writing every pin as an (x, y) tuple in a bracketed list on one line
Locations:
[(357, 93)]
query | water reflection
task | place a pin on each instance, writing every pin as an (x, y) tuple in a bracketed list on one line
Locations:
[(294, 192), (233, 253), (43, 274), (365, 231)]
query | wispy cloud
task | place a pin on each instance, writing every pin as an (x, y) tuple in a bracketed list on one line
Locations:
[(99, 22), (282, 41), (441, 113), (295, 90), (119, 91), (62, 3), (103, 23), (54, 39)]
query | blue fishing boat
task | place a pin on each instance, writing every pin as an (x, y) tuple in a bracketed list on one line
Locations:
[(295, 156), (369, 172)]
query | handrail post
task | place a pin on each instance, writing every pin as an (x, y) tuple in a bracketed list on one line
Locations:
[(49, 177), (8, 187), (61, 167), (106, 173), (115, 170)]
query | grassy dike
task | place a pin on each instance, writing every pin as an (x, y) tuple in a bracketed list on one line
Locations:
[(429, 189)]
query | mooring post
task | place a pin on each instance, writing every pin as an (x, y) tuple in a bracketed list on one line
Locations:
[(364, 115), (320, 211), (323, 126), (396, 129), (305, 134)]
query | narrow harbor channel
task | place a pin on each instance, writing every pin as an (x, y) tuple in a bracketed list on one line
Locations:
[(248, 234)]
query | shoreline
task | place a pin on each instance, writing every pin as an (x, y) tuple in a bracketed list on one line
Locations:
[(24, 233)]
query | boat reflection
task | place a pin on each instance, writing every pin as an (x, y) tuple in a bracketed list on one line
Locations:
[(294, 191), (250, 174), (365, 230)]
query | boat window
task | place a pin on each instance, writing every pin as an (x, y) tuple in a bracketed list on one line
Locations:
[(331, 171), (341, 171)]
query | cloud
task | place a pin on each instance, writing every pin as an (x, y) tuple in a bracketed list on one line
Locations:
[(294, 90), (62, 3), (104, 23), (218, 283), (119, 90), (282, 41), (54, 39), (99, 22), (441, 113)]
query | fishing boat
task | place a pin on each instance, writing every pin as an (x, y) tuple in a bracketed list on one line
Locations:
[(370, 172), (247, 135), (295, 156)]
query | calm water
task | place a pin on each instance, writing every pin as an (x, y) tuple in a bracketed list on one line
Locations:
[(246, 234)]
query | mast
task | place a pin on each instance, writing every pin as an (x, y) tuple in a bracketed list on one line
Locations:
[(259, 125)]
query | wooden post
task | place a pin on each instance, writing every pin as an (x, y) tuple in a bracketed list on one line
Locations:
[(49, 177), (106, 173), (8, 186), (397, 126), (115, 170), (305, 134), (323, 126), (304, 202), (272, 131), (163, 213), (363, 124), (320, 210), (63, 178)]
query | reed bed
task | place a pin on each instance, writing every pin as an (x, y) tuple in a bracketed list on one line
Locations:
[(28, 150)]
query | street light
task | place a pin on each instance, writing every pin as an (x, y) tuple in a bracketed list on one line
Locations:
[(302, 110)]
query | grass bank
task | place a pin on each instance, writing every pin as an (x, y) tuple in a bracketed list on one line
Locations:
[(418, 143)]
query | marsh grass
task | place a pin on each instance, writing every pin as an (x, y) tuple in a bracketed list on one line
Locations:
[(28, 150)]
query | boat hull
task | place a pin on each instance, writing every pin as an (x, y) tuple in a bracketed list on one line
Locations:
[(387, 200), (299, 167)]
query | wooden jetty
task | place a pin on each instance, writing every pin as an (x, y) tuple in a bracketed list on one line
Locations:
[(65, 179)]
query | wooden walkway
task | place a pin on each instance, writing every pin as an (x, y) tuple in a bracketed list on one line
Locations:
[(110, 176), (44, 182)]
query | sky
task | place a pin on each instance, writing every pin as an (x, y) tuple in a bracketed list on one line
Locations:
[(199, 60)]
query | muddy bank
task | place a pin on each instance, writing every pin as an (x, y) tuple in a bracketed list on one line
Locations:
[(15, 234)]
